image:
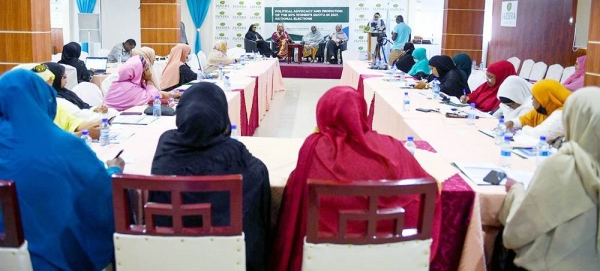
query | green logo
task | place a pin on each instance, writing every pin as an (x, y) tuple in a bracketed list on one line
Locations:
[(239, 13), (222, 2), (361, 5), (239, 45), (222, 24), (378, 5), (239, 24), (258, 3), (509, 6), (360, 48), (361, 27), (256, 24), (221, 34), (395, 5), (239, 34), (256, 14), (222, 12), (241, 2), (360, 37), (361, 16)]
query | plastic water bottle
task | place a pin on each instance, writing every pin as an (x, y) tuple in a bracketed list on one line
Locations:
[(234, 132), (410, 145), (402, 76), (394, 70), (499, 131), (220, 71), (156, 110), (199, 74), (474, 65), (471, 115), (227, 83), (542, 150), (505, 152), (120, 60), (243, 61), (85, 135), (436, 89), (481, 66), (172, 99), (104, 133), (406, 104)]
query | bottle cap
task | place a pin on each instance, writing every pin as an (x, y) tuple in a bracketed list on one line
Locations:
[(501, 120), (84, 132), (472, 105), (233, 126), (410, 138), (156, 97), (405, 93), (543, 138), (507, 137), (104, 120)]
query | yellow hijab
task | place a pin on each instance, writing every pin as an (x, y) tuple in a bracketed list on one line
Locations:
[(551, 95), (44, 72)]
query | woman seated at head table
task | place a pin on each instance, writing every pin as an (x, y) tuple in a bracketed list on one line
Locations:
[(406, 61), (344, 149), (464, 64), (202, 145), (311, 43), (334, 42), (421, 67), (485, 96), (451, 81), (515, 98), (71, 102), (575, 81), (261, 45), (549, 97), (70, 56), (218, 56), (64, 191), (177, 72), (281, 38), (553, 225), (63, 118), (134, 86), (150, 56)]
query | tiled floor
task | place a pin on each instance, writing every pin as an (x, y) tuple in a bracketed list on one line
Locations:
[(292, 112)]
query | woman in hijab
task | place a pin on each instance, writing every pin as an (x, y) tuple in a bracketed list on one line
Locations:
[(421, 67), (64, 191), (515, 98), (311, 43), (70, 56), (575, 81), (133, 87), (463, 62), (406, 61), (201, 145), (553, 224), (549, 97), (345, 149), (281, 38), (451, 82), (177, 72), (150, 56), (336, 39), (484, 97), (218, 56), (261, 44)]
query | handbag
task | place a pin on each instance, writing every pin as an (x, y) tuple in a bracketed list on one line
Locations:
[(165, 110)]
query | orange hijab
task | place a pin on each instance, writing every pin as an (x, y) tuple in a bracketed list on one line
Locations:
[(551, 95), (170, 75)]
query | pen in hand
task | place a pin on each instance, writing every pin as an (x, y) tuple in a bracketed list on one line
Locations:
[(118, 154)]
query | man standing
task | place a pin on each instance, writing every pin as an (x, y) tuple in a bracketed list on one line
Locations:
[(121, 51), (400, 36)]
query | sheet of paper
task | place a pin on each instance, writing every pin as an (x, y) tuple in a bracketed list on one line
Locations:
[(476, 173)]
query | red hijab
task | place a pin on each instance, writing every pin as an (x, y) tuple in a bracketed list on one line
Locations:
[(485, 96), (345, 149)]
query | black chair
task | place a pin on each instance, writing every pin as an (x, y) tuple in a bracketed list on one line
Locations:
[(249, 45), (342, 47)]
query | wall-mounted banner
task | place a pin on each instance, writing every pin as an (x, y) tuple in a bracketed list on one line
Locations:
[(509, 14)]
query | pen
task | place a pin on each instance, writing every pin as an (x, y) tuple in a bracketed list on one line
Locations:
[(118, 154), (464, 92), (523, 148)]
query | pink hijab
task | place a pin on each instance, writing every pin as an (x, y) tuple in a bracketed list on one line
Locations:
[(575, 81), (130, 90), (170, 75)]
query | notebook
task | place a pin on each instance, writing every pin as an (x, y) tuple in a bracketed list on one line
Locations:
[(99, 64), (133, 119)]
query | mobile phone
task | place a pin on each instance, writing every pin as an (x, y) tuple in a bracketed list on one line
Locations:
[(130, 113), (495, 177), (424, 110)]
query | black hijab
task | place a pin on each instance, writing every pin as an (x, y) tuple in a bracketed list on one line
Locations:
[(452, 82), (409, 48), (443, 64), (70, 56), (253, 33), (406, 62), (59, 71), (71, 50)]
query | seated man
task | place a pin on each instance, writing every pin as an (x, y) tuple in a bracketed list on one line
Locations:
[(122, 51)]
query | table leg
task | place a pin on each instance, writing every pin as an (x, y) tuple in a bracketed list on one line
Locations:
[(300, 54), (290, 54)]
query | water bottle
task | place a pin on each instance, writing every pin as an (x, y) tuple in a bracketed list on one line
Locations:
[(104, 133), (471, 115), (406, 105), (234, 132), (227, 83), (220, 71), (243, 61), (499, 131), (200, 75), (172, 99), (474, 65), (402, 76), (85, 135), (156, 110), (410, 145), (120, 60), (505, 152), (394, 70), (436, 89), (542, 150), (481, 66)]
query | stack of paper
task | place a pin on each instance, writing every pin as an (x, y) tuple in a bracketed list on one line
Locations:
[(134, 119)]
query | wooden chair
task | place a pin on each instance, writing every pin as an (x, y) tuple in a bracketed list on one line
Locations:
[(149, 247), (405, 249), (14, 254)]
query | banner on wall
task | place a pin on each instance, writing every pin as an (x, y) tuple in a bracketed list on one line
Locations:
[(362, 11), (233, 19), (509, 14)]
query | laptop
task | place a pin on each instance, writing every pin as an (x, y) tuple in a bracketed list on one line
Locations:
[(99, 64)]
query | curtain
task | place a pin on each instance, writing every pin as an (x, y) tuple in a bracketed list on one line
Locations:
[(85, 6), (198, 10)]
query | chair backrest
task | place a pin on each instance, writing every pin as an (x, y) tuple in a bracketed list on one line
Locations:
[(476, 78), (249, 45), (71, 73), (14, 254), (567, 72), (56, 58), (146, 247), (515, 61), (202, 59), (538, 71), (107, 82), (89, 93), (83, 56), (526, 68), (193, 63), (103, 53), (555, 72)]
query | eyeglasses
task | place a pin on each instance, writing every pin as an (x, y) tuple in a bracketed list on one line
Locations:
[(39, 68)]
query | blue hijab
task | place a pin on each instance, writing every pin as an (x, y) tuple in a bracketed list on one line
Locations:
[(422, 64), (64, 191)]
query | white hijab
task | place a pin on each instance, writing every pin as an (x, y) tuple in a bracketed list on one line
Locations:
[(519, 91)]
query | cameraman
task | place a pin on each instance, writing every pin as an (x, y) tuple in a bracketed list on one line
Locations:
[(400, 36)]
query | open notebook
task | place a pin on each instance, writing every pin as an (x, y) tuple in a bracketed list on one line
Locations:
[(134, 119)]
